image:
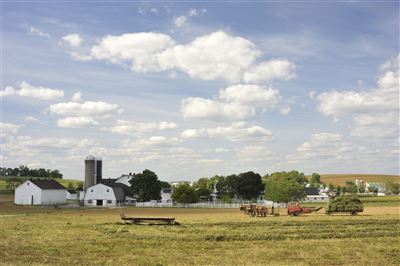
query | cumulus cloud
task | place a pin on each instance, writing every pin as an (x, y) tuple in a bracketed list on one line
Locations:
[(77, 97), (269, 70), (73, 40), (8, 129), (255, 153), (86, 109), (378, 108), (235, 132), (195, 107), (76, 122), (205, 57), (28, 90), (36, 32), (131, 128), (237, 102), (181, 21), (137, 50), (31, 119), (252, 95)]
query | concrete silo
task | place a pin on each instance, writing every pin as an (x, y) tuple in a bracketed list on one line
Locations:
[(90, 171), (99, 169)]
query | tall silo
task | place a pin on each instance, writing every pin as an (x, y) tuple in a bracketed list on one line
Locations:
[(99, 169), (90, 171)]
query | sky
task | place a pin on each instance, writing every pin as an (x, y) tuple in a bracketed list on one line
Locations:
[(195, 89)]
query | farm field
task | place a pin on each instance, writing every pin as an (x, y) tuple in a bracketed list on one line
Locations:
[(340, 179), (64, 182), (206, 237)]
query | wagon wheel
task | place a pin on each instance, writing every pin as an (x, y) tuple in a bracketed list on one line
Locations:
[(354, 213)]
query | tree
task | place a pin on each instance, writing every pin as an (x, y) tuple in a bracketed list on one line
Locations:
[(55, 174), (392, 188), (284, 190), (229, 187), (79, 186), (184, 193), (315, 180), (13, 183), (250, 185), (146, 186), (165, 184), (350, 187)]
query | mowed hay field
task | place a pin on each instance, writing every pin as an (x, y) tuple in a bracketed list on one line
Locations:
[(340, 179), (206, 237)]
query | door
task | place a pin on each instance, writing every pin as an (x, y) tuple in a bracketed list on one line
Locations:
[(99, 202), (32, 200)]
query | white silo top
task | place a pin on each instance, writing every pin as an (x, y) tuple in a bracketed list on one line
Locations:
[(90, 158)]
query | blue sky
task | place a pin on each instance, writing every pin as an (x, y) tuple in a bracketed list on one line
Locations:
[(197, 89)]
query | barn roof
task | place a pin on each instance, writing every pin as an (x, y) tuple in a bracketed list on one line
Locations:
[(311, 191), (71, 191), (47, 184)]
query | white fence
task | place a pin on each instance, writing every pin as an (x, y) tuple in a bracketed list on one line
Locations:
[(196, 205)]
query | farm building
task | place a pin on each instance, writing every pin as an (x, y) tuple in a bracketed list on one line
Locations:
[(313, 195), (166, 195), (71, 194), (40, 192), (108, 193)]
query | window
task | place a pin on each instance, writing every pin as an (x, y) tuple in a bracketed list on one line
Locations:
[(91, 190), (28, 183), (90, 201), (108, 190), (315, 198), (109, 201)]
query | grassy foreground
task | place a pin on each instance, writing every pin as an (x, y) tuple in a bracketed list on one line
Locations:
[(206, 237)]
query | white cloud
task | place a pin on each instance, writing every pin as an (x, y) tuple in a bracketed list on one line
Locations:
[(154, 10), (311, 94), (86, 109), (76, 122), (36, 32), (8, 129), (77, 96), (269, 70), (31, 119), (139, 50), (378, 108), (220, 150), (235, 132), (27, 90), (180, 21), (252, 95), (236, 102), (132, 128), (73, 40), (323, 146), (206, 57), (255, 153), (195, 107), (285, 110)]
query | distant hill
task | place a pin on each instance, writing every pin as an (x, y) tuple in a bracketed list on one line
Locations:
[(340, 179)]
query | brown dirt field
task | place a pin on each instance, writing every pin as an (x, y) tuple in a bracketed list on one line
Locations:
[(340, 179)]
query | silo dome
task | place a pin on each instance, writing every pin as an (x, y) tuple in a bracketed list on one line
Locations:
[(90, 158)]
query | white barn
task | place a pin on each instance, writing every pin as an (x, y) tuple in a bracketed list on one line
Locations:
[(40, 192), (107, 195)]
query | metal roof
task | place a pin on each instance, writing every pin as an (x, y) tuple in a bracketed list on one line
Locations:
[(47, 184)]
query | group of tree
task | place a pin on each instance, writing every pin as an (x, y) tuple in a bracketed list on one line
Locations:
[(285, 186), (25, 171)]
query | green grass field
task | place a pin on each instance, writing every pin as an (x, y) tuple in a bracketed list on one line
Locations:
[(340, 179), (206, 237)]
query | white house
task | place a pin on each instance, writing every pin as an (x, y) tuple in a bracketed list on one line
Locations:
[(71, 194), (124, 179), (313, 195), (40, 192), (166, 194), (107, 195)]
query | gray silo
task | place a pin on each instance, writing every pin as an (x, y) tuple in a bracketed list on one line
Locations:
[(99, 168), (90, 171)]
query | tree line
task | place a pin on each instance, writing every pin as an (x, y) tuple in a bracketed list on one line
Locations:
[(277, 187), (25, 171)]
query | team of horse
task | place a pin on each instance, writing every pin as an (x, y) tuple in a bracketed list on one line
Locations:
[(257, 210)]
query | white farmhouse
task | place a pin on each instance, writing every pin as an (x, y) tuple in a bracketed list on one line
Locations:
[(313, 195), (40, 192)]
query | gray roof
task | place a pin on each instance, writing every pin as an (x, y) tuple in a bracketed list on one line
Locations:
[(311, 191), (47, 183)]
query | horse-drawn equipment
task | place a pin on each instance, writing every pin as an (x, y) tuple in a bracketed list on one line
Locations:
[(149, 220), (297, 209), (254, 210)]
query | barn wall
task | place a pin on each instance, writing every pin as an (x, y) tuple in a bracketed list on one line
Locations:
[(24, 192), (99, 192), (51, 196)]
